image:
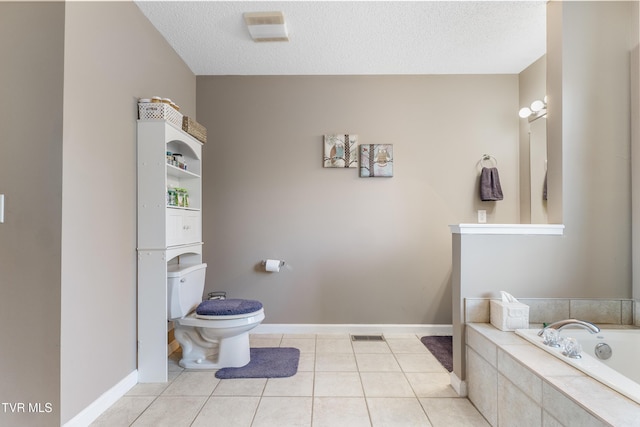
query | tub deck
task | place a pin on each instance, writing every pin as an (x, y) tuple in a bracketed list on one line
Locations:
[(513, 382), (589, 364)]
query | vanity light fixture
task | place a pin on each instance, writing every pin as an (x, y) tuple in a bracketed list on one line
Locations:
[(266, 26), (537, 108)]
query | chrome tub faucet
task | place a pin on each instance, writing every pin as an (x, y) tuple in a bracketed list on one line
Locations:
[(561, 324)]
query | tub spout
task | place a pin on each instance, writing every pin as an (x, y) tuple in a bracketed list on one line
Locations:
[(561, 324)]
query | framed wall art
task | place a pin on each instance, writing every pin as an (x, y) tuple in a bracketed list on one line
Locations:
[(376, 160), (340, 151)]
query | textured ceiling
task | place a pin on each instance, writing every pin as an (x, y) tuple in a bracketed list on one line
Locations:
[(361, 37)]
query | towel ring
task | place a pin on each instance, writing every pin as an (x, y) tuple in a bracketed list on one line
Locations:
[(488, 158)]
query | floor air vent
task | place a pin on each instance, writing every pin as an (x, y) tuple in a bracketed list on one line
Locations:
[(367, 338)]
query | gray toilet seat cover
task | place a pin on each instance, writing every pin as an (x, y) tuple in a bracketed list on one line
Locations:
[(227, 307)]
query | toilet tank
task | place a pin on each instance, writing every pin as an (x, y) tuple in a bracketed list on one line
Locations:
[(185, 285)]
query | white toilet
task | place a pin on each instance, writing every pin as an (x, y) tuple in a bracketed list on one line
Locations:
[(213, 334)]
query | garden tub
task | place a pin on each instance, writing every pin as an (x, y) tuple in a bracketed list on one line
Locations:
[(620, 371)]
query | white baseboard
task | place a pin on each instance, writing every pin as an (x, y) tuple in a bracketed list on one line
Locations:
[(101, 404), (458, 385), (286, 328)]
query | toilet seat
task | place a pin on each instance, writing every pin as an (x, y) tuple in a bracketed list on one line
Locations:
[(221, 322), (227, 308)]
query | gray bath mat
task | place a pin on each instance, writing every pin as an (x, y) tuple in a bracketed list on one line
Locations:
[(266, 362), (442, 348)]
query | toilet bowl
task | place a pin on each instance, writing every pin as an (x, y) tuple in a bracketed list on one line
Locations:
[(213, 334)]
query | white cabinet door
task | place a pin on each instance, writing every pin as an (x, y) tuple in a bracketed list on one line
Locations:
[(183, 227), (191, 227)]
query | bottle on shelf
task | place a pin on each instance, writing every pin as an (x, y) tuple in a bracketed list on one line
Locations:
[(177, 197), (172, 197), (179, 161)]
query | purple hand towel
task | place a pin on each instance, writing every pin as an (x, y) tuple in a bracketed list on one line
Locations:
[(490, 188)]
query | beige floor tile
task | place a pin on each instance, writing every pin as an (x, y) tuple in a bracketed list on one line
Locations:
[(266, 336), (334, 384), (123, 412), (333, 336), (336, 362), (301, 384), (192, 383), (400, 335), (328, 387), (397, 412), (407, 345), (307, 362), (419, 362), (224, 411), (171, 411), (334, 345), (240, 387), (371, 347), (377, 363), (305, 345), (299, 336), (148, 389), (431, 384), (452, 412), (264, 342), (340, 412), (283, 411), (174, 359), (386, 384), (154, 389)]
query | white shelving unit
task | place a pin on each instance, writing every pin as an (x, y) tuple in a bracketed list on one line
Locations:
[(166, 234)]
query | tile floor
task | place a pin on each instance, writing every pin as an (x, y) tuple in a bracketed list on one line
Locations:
[(397, 382)]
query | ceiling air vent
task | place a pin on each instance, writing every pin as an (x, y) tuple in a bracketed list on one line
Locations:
[(266, 26)]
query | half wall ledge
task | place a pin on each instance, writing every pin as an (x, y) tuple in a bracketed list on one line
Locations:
[(516, 229)]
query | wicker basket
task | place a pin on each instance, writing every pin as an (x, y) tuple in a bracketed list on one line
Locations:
[(159, 111), (194, 129)]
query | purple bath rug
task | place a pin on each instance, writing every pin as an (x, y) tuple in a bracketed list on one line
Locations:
[(266, 362), (442, 348)]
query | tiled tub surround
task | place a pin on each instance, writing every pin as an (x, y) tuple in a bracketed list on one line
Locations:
[(541, 310), (600, 311), (512, 382)]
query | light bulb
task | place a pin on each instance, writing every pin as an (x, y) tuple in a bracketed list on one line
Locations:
[(537, 106), (524, 112)]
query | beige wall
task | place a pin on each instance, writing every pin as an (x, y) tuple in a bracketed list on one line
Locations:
[(31, 75), (112, 56), (70, 193), (589, 122), (593, 134), (635, 157), (68, 302), (360, 250)]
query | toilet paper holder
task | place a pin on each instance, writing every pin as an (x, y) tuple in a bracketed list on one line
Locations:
[(272, 265), (264, 262)]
